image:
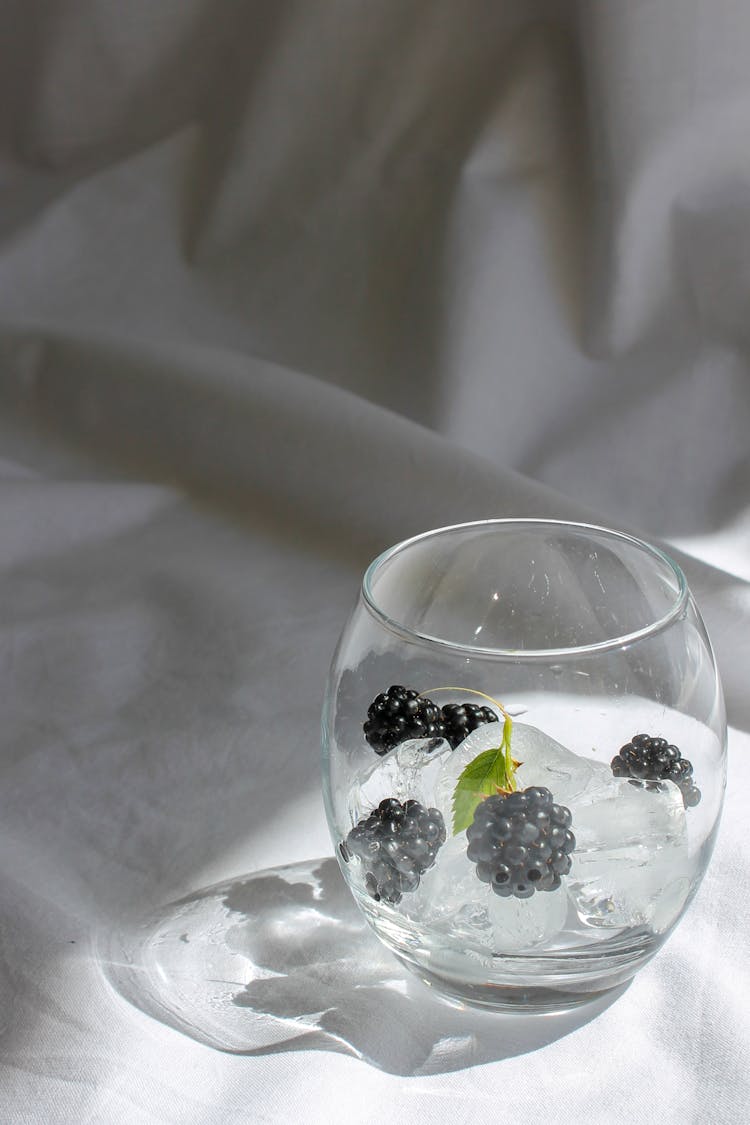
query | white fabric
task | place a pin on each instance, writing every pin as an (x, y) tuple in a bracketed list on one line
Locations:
[(281, 284)]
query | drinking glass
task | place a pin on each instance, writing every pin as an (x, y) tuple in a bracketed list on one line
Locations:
[(524, 757)]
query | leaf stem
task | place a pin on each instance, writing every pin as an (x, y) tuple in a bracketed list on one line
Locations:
[(510, 770), (473, 691)]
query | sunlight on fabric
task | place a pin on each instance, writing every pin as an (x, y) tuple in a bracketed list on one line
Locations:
[(728, 548), (296, 832)]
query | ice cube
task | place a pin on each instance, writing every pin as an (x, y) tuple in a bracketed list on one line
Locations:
[(408, 771), (630, 864), (544, 762), (453, 901)]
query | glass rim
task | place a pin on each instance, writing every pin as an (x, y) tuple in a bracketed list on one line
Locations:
[(520, 654)]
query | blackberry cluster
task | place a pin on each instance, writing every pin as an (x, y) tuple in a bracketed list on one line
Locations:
[(398, 714), (397, 844), (521, 843), (653, 760), (401, 713), (460, 719)]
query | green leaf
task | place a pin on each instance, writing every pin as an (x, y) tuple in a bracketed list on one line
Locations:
[(475, 783), (489, 772)]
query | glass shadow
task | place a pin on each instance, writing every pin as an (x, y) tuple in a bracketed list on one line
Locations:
[(282, 960)]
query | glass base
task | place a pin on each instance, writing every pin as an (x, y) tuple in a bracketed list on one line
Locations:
[(578, 969), (515, 999)]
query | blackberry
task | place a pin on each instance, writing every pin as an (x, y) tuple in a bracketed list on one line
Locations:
[(397, 844), (460, 719), (398, 714), (521, 843), (651, 760)]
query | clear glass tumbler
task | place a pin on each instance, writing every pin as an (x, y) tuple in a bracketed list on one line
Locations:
[(524, 750)]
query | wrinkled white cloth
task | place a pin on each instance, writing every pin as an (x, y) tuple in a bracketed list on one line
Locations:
[(282, 284)]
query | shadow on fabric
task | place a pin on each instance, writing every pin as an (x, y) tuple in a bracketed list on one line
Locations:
[(282, 961)]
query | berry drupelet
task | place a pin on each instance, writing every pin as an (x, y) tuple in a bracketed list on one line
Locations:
[(651, 760), (398, 714), (460, 719), (521, 842), (396, 844)]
